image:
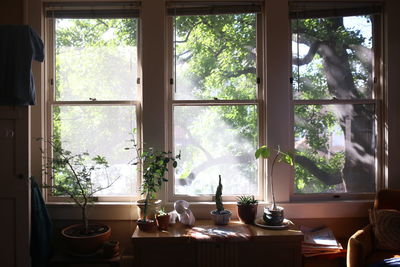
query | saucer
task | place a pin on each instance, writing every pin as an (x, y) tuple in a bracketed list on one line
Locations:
[(260, 222)]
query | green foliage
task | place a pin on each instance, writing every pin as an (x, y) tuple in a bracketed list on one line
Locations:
[(161, 212), (218, 53), (307, 183), (218, 50), (264, 152), (286, 157), (316, 124), (155, 166), (246, 200), (93, 32), (218, 197), (71, 175)]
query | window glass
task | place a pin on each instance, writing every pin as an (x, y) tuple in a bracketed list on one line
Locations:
[(216, 140), (96, 59), (215, 57), (214, 105), (331, 148), (333, 58), (335, 116), (93, 107), (105, 131)]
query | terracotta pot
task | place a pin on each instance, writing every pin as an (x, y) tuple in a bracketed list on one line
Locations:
[(79, 243), (147, 226), (221, 218), (247, 213), (152, 208), (163, 222)]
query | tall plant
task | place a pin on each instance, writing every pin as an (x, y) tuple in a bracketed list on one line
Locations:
[(218, 197), (71, 176), (280, 156), (155, 166)]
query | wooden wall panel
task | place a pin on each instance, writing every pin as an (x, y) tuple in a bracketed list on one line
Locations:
[(14, 186), (7, 223), (11, 12)]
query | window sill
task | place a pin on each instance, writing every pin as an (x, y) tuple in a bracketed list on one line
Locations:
[(201, 210)]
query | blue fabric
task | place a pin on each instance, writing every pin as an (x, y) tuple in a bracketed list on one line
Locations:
[(41, 229), (19, 45), (387, 262)]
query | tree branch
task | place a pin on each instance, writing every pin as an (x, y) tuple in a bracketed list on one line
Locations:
[(323, 176), (365, 55), (187, 35), (241, 72), (310, 55), (212, 162)]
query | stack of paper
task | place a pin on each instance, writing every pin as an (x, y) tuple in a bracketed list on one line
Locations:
[(320, 242)]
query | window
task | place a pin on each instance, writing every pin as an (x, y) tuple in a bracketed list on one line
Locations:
[(215, 99), (92, 97), (335, 98)]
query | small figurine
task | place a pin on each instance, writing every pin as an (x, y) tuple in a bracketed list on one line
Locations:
[(183, 213)]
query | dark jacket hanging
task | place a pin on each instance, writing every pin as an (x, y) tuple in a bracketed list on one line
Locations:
[(41, 229), (19, 45)]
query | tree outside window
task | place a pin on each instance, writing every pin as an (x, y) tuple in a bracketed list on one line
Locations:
[(94, 100), (335, 113), (214, 103)]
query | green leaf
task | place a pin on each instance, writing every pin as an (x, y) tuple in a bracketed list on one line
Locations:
[(263, 152)]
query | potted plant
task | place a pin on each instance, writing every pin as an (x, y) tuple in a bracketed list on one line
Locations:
[(155, 166), (247, 208), (162, 219), (220, 215), (274, 215), (71, 176)]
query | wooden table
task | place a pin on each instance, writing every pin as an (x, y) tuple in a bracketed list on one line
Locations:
[(174, 248)]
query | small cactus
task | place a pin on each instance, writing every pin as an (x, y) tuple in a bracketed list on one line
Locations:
[(218, 197)]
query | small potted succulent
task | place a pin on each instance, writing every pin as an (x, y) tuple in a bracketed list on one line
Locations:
[(220, 215), (162, 219), (71, 176), (274, 215), (247, 208)]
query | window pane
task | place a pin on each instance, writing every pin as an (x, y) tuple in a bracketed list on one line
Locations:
[(215, 57), (336, 145), (104, 131), (332, 58), (95, 59), (212, 141)]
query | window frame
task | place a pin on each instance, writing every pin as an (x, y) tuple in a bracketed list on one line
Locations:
[(376, 101), (258, 102), (49, 86)]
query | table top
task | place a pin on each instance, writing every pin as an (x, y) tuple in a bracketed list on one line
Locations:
[(181, 231)]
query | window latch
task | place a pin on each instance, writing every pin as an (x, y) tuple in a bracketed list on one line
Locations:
[(92, 99)]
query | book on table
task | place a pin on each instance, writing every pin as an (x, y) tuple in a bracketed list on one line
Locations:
[(320, 242)]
